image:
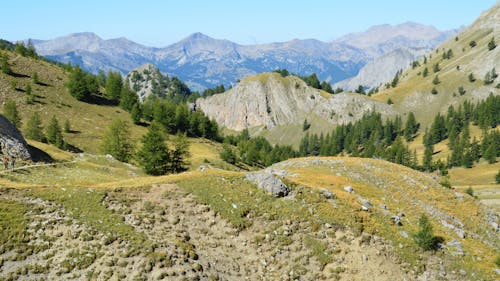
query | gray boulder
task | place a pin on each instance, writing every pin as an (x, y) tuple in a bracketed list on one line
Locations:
[(348, 189), (12, 142), (327, 193), (269, 183)]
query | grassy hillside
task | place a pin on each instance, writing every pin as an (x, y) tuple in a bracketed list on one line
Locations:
[(413, 93), (177, 225), (88, 121)]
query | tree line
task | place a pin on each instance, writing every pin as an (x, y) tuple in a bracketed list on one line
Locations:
[(255, 151), (369, 137), (455, 126)]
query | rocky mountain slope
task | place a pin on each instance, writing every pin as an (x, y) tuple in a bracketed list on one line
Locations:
[(202, 61), (269, 100), (336, 223), (143, 79), (381, 39), (382, 68), (460, 65)]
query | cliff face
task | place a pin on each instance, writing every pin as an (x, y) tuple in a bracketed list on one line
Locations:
[(11, 141), (270, 100)]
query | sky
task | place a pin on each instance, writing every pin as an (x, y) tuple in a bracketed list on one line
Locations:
[(159, 23)]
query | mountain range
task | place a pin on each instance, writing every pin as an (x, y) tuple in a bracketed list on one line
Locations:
[(202, 61)]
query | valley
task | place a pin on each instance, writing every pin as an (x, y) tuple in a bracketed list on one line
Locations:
[(374, 156)]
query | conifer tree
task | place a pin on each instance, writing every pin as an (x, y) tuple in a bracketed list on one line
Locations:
[(34, 128), (10, 112), (136, 113), (411, 126), (117, 142), (77, 85), (53, 133), (425, 236), (180, 153), (427, 161), (154, 155), (492, 44), (114, 84)]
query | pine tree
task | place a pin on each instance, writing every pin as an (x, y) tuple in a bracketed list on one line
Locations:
[(425, 236), (117, 142), (490, 153), (53, 133), (34, 128), (67, 126), (77, 85), (136, 113), (10, 112), (154, 155), (27, 90), (436, 81), (492, 45), (427, 161), (425, 72), (436, 68), (178, 159), (411, 127), (306, 125), (228, 154), (114, 84), (34, 78), (472, 79), (326, 87), (128, 98)]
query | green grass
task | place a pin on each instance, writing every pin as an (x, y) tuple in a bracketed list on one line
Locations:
[(88, 121), (13, 225), (320, 250)]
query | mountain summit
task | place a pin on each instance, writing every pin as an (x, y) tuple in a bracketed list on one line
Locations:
[(203, 61)]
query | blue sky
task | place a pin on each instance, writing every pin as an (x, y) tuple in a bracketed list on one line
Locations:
[(159, 23)]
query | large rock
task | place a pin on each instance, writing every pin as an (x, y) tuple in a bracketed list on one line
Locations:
[(12, 142), (269, 183), (270, 100)]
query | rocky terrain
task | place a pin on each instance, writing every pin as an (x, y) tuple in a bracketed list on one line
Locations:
[(142, 78), (337, 222), (12, 142), (270, 100), (203, 62)]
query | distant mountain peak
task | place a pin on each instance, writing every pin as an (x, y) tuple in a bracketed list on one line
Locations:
[(85, 34), (198, 36)]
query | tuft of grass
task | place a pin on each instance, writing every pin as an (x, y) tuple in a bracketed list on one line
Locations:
[(320, 250)]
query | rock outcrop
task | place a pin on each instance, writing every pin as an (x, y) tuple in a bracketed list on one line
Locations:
[(12, 142), (269, 182), (270, 100)]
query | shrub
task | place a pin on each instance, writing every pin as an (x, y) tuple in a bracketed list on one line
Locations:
[(470, 191), (492, 45), (461, 90), (472, 44), (434, 91)]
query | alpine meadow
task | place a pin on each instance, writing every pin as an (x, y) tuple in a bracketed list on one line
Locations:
[(371, 156)]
